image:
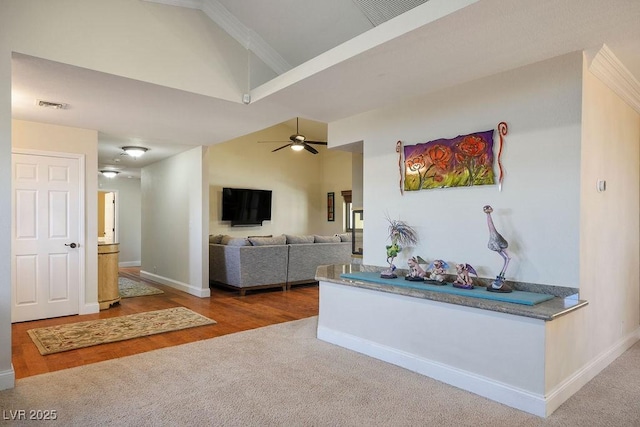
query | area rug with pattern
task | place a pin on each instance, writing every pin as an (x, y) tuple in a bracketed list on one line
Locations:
[(130, 288), (55, 339)]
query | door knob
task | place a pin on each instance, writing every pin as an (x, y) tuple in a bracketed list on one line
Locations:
[(71, 245)]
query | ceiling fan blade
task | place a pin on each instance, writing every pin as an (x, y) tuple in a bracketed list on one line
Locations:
[(271, 142), (310, 149), (315, 142), (284, 146)]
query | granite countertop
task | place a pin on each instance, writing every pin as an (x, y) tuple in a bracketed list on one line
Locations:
[(565, 299)]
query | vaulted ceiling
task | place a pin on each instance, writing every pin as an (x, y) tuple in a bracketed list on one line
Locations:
[(326, 60)]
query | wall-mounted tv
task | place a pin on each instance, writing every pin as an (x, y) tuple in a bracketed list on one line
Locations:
[(243, 206)]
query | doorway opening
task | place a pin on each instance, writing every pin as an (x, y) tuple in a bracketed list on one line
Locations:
[(107, 217)]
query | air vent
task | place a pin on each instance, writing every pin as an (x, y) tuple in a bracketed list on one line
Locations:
[(49, 104), (380, 11)]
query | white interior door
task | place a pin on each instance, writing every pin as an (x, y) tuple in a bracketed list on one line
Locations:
[(45, 260)]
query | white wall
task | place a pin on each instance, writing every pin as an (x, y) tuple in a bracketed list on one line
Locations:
[(174, 222), (46, 137), (538, 208), (128, 230), (297, 180), (7, 376), (122, 37)]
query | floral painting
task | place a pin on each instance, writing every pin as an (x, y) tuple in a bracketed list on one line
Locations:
[(465, 160)]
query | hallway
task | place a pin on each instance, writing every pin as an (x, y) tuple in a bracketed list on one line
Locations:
[(232, 312)]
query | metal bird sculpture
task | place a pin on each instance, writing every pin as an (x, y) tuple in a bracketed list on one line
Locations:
[(498, 244)]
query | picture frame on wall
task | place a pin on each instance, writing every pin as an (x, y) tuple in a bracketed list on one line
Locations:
[(331, 206)]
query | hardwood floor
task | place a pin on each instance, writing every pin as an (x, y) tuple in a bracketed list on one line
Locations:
[(232, 312)]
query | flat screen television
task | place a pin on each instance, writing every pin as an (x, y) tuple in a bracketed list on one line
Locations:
[(243, 206)]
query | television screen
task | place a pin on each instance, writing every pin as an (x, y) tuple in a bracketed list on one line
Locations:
[(244, 206)]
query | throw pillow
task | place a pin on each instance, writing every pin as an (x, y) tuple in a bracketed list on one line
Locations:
[(268, 241), (235, 241), (326, 239), (344, 237), (296, 240), (217, 239)]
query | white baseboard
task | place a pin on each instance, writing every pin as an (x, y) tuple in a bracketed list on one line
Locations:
[(90, 308), (7, 379), (539, 405), (184, 287), (130, 264), (571, 385), (494, 390)]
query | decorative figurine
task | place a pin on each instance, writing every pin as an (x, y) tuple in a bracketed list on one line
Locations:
[(401, 234), (416, 273), (438, 270), (498, 244), (463, 280)]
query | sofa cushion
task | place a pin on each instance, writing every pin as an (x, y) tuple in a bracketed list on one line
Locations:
[(326, 239), (217, 238), (296, 240), (268, 241), (235, 241), (344, 237), (305, 259)]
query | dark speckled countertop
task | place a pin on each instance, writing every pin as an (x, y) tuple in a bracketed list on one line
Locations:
[(565, 299)]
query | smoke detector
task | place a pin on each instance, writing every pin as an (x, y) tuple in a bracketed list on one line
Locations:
[(49, 104)]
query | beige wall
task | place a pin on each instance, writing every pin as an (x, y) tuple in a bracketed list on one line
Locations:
[(53, 138), (609, 250), (335, 177), (299, 182), (609, 222)]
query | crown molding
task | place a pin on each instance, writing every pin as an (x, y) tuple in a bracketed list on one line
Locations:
[(245, 36), (608, 68), (248, 38), (191, 4)]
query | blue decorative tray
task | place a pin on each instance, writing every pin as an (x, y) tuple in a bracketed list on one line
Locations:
[(516, 297)]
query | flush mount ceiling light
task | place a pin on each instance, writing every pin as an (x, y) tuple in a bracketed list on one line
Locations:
[(109, 173), (134, 152)]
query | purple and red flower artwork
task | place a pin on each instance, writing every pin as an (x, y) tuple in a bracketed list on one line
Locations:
[(465, 160)]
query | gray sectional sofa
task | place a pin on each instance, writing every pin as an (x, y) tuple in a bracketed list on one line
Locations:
[(270, 262)]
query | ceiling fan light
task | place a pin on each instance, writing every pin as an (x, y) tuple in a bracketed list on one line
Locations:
[(134, 152), (109, 173), (297, 147)]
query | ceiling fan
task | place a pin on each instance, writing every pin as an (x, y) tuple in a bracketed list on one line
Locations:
[(299, 142)]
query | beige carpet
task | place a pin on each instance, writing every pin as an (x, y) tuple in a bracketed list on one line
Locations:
[(282, 376), (130, 288), (70, 336)]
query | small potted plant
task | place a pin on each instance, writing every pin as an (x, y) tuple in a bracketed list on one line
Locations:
[(401, 235)]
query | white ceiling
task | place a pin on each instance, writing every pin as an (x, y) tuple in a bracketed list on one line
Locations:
[(484, 38)]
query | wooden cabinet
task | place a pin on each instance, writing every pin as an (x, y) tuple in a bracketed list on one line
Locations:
[(108, 292)]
